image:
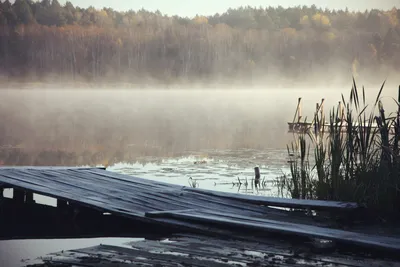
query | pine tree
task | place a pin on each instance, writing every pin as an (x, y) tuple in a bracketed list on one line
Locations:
[(23, 11)]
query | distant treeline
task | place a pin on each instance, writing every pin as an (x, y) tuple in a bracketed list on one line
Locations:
[(42, 39)]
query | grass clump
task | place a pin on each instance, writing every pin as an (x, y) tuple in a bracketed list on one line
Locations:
[(355, 155)]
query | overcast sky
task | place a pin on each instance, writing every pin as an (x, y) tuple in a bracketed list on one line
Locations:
[(207, 7)]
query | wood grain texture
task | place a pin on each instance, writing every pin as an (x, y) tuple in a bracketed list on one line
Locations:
[(130, 196), (199, 251), (265, 225), (282, 202), (181, 207)]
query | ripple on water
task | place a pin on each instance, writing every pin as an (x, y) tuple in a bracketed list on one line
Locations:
[(219, 171)]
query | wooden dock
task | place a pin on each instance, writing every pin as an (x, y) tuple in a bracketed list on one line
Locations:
[(95, 200), (319, 124), (310, 127), (192, 250)]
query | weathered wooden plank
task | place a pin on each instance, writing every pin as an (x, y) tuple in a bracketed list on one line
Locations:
[(82, 188), (201, 251), (111, 255), (100, 255), (281, 202), (234, 248), (46, 168), (165, 255), (66, 192), (122, 194), (126, 200), (144, 184), (237, 221), (134, 197)]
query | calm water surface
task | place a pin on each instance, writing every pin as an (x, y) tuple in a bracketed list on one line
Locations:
[(216, 170)]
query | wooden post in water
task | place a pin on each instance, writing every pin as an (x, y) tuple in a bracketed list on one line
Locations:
[(257, 176), (297, 113)]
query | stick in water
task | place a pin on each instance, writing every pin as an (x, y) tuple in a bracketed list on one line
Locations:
[(257, 176)]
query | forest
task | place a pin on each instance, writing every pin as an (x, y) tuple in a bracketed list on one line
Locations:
[(44, 40)]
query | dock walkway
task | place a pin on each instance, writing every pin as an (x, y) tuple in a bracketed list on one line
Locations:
[(186, 209), (133, 197)]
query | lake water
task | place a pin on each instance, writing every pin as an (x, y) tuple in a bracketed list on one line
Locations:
[(160, 135), (24, 252), (219, 170)]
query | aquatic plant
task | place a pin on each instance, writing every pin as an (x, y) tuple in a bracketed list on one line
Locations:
[(356, 155), (193, 183)]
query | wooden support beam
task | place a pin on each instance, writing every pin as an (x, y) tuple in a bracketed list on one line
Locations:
[(281, 202), (18, 196), (62, 204), (29, 198), (41, 221)]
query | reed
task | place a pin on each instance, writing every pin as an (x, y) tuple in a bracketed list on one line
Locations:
[(356, 155)]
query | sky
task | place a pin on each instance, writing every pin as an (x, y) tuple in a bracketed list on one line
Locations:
[(208, 7)]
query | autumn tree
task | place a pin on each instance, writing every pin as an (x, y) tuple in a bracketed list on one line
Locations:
[(45, 38)]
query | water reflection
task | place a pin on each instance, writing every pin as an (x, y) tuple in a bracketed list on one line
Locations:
[(18, 253)]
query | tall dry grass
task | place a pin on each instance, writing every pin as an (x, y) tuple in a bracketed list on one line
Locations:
[(355, 155)]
